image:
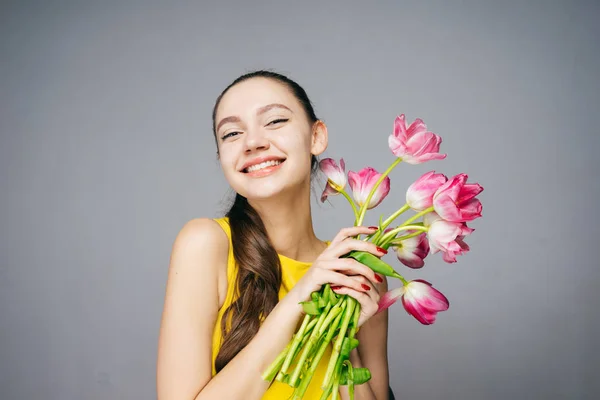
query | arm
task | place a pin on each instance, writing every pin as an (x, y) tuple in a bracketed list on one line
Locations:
[(184, 365), (372, 353), (191, 306)]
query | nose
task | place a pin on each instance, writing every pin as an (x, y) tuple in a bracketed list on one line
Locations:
[(255, 140)]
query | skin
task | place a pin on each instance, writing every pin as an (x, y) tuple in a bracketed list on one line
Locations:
[(197, 281)]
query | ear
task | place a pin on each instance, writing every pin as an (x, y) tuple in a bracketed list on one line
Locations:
[(319, 138)]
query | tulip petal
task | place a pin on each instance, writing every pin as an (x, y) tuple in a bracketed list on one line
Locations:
[(336, 175), (423, 302), (400, 128), (417, 126), (411, 260), (362, 183), (468, 191), (470, 210), (412, 251), (419, 194), (390, 298), (329, 191)]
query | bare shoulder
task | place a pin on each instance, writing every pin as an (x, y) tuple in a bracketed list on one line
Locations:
[(197, 264), (199, 239), (204, 231)]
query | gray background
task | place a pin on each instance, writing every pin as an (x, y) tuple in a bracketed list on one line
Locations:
[(106, 151)]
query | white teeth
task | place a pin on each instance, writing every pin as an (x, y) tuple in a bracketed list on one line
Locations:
[(263, 165)]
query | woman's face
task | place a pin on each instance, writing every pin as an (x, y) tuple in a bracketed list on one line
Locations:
[(265, 139)]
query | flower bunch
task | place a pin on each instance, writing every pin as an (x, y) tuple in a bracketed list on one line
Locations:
[(444, 204)]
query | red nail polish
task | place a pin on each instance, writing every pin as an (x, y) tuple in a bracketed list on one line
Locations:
[(366, 287), (373, 227), (378, 278), (384, 251), (336, 287)]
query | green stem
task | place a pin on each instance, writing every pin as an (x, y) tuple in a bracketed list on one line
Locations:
[(336, 379), (355, 318), (297, 339), (281, 376), (326, 392), (399, 240), (270, 373), (350, 378), (363, 208), (312, 340), (338, 343), (388, 237), (332, 314), (301, 389), (417, 215), (389, 220), (351, 201)]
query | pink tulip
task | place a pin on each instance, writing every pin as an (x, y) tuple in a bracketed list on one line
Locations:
[(447, 237), (455, 200), (414, 144), (419, 195), (412, 251), (336, 177), (419, 299), (361, 184), (390, 298)]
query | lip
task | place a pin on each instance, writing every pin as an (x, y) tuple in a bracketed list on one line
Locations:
[(259, 160)]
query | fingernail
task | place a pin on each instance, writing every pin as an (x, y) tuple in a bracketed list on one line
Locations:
[(366, 287), (335, 287), (378, 278), (384, 251), (373, 227)]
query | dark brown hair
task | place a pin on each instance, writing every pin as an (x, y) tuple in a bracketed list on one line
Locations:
[(259, 270)]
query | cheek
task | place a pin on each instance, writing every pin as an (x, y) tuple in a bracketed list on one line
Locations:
[(228, 164), (295, 142)]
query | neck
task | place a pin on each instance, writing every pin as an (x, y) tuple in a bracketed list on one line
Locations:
[(289, 226)]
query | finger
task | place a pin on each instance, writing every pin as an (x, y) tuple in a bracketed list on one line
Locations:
[(365, 283), (354, 244), (367, 306), (338, 279), (350, 266), (352, 231)]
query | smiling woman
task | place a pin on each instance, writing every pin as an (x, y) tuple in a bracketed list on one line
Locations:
[(235, 283)]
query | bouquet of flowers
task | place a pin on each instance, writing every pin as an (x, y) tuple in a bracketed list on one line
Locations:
[(445, 206)]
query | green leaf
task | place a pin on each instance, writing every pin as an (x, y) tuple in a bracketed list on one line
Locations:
[(347, 346), (373, 262), (311, 307), (361, 375)]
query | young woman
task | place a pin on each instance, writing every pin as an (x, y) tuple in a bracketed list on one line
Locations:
[(234, 283)]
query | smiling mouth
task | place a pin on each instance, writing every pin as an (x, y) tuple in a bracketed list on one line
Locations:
[(263, 165)]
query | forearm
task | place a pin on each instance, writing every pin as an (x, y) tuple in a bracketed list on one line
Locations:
[(241, 377)]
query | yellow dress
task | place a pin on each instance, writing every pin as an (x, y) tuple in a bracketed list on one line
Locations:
[(292, 271)]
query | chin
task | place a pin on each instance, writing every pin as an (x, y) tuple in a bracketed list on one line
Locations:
[(263, 191)]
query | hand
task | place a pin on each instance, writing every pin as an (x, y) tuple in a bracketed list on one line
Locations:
[(347, 275)]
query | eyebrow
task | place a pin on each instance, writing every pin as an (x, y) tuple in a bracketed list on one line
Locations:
[(260, 111)]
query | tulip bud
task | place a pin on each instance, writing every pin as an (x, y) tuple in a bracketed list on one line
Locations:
[(363, 182), (414, 144), (455, 200), (447, 236), (336, 177), (419, 195), (412, 251), (423, 302)]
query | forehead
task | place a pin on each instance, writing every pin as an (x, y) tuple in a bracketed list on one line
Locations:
[(247, 96)]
